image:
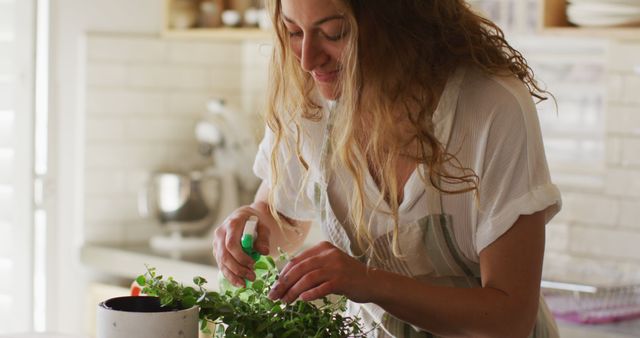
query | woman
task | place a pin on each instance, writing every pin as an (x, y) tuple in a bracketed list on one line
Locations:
[(407, 129)]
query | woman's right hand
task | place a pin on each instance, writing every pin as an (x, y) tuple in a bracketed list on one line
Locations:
[(232, 261)]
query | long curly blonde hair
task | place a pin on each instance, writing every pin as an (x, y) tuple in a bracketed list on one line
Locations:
[(398, 57)]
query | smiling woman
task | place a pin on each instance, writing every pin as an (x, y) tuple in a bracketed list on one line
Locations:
[(408, 129)]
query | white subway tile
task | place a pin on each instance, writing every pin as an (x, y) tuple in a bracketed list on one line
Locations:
[(136, 179), (111, 209), (630, 213), (125, 102), (623, 118), (255, 79), (99, 156), (225, 79), (125, 48), (104, 232), (183, 157), (257, 54), (623, 57), (104, 182), (189, 103), (557, 236), (168, 77), (599, 271), (613, 150), (605, 243), (615, 87), (631, 272), (590, 209), (622, 182), (141, 230), (205, 53), (105, 74), (104, 129), (631, 152), (631, 90), (161, 129)]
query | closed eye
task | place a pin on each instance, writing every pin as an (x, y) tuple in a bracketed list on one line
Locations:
[(296, 33)]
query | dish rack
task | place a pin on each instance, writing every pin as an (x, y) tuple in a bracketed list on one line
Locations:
[(580, 303)]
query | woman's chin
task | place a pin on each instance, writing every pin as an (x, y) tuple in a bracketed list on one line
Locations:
[(328, 92)]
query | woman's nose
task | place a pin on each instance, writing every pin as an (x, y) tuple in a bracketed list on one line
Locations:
[(312, 54)]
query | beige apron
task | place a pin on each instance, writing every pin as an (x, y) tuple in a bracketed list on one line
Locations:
[(432, 252)]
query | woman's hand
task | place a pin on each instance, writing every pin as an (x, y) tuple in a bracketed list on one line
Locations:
[(320, 271), (232, 261)]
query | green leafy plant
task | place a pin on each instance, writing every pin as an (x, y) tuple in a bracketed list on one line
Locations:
[(248, 312)]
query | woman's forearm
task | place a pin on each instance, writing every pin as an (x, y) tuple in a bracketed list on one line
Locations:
[(505, 306), (449, 311)]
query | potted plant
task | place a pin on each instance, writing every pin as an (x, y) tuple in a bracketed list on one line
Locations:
[(248, 312)]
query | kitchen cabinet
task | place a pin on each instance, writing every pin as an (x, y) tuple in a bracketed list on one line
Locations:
[(554, 21), (176, 25)]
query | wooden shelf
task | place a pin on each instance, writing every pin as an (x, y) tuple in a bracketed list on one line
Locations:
[(217, 33), (554, 22)]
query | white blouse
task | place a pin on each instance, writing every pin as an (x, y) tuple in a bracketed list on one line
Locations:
[(494, 131)]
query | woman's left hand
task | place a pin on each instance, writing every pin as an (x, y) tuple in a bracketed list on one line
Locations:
[(320, 271)]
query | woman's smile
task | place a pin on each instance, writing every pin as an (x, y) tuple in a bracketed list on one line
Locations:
[(325, 77)]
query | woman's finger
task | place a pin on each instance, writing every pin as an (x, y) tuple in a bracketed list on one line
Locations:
[(313, 251), (296, 273), (231, 277), (317, 292), (240, 271), (309, 281), (233, 238)]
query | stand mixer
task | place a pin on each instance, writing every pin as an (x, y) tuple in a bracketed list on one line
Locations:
[(189, 205)]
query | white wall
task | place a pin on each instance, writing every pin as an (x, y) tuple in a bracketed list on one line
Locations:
[(144, 96)]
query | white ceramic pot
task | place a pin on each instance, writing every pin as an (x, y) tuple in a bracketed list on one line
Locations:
[(142, 317)]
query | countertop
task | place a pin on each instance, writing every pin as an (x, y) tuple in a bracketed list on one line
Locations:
[(128, 261)]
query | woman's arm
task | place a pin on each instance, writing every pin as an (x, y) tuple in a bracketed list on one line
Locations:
[(506, 304)]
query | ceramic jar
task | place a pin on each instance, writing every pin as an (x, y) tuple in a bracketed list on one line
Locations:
[(143, 317)]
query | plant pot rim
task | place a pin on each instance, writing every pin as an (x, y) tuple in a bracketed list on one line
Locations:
[(139, 305)]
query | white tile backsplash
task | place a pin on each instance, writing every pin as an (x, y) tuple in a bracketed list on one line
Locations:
[(105, 74), (631, 88), (162, 76), (113, 101), (593, 209), (212, 53), (144, 98), (126, 48), (604, 224), (597, 242)]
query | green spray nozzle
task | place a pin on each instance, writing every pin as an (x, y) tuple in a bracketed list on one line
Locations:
[(249, 235)]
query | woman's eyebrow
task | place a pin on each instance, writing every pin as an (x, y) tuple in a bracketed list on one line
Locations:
[(319, 22)]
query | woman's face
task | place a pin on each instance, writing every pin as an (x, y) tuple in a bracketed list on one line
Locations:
[(318, 34)]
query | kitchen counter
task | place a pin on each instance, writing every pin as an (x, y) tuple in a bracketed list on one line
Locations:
[(623, 329), (129, 261)]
